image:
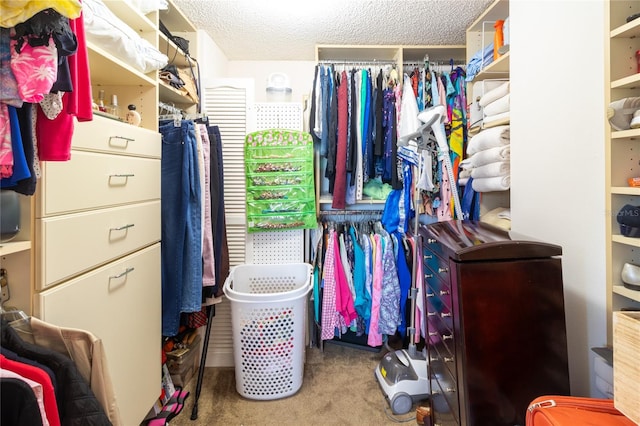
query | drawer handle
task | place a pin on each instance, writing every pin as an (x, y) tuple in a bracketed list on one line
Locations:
[(448, 359), (122, 228), (444, 292), (447, 336), (433, 333), (431, 241), (430, 314), (124, 175), (428, 275), (120, 138), (114, 277), (427, 256), (445, 314), (441, 270), (430, 294), (450, 390)]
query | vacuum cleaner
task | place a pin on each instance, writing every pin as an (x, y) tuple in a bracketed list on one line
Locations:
[(403, 374)]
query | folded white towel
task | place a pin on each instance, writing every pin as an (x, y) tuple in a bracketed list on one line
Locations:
[(490, 155), (494, 94), (496, 120), (500, 168), (498, 106), (478, 90), (489, 138), (490, 184)]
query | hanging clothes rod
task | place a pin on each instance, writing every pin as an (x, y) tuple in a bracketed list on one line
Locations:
[(170, 109), (355, 62), (350, 212)]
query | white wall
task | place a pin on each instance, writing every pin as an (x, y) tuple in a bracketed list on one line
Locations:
[(557, 155), (213, 62), (300, 75)]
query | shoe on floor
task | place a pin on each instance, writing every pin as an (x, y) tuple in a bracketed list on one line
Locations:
[(620, 112), (635, 121)]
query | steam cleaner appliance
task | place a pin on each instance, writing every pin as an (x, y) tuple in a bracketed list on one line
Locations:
[(403, 374)]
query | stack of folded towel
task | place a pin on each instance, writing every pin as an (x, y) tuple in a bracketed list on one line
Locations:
[(488, 160), (495, 106), (487, 93)]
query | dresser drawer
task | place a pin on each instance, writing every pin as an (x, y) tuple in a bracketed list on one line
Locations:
[(110, 136), (74, 243), (438, 266), (438, 291), (109, 302), (444, 395), (92, 180)]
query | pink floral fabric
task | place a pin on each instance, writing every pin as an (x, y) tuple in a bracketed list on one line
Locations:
[(35, 69)]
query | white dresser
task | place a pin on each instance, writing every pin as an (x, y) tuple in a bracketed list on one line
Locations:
[(97, 256)]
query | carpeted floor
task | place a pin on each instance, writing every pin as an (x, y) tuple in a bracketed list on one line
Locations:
[(339, 388)]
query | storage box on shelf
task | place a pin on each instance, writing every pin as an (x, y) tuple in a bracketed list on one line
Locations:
[(622, 80), (183, 363)]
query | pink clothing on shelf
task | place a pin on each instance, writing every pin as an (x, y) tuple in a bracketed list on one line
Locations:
[(327, 322), (208, 258), (6, 150), (344, 299), (374, 336), (54, 136), (35, 69)]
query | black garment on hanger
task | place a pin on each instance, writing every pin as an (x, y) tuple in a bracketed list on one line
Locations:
[(312, 112), (20, 406)]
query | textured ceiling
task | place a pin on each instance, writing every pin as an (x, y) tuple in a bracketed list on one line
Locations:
[(289, 30)]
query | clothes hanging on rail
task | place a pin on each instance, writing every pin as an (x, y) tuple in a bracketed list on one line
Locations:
[(194, 258), (361, 281), (354, 124)]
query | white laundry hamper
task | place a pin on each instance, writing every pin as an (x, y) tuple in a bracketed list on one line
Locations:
[(268, 315)]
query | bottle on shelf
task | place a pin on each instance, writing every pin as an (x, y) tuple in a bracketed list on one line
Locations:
[(113, 107), (498, 38), (133, 117), (101, 105)]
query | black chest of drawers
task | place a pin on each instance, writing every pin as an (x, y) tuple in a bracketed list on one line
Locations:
[(495, 323)]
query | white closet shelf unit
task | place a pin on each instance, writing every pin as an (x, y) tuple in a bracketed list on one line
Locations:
[(622, 80), (480, 34)]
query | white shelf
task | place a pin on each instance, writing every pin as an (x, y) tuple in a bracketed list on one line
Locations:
[(496, 69), (628, 30), (175, 20), (627, 292), (107, 70), (629, 241), (14, 247), (630, 82), (326, 199)]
